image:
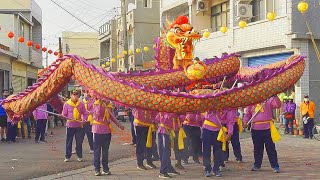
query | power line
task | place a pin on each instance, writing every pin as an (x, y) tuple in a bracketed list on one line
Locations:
[(74, 15)]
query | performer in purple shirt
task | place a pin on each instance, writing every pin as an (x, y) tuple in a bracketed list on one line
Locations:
[(261, 133), (88, 103), (166, 137), (41, 118), (191, 125), (289, 114), (144, 127), (216, 135), (102, 129), (75, 110), (232, 116)]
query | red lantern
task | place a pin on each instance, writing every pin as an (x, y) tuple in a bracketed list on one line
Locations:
[(44, 49), (50, 51), (55, 53), (21, 39), (30, 43), (10, 34), (37, 46)]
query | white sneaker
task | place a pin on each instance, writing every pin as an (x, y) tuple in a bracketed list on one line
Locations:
[(66, 160), (90, 152), (73, 152), (79, 159)]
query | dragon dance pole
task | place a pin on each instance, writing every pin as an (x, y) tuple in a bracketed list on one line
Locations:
[(222, 82), (234, 83), (59, 115)]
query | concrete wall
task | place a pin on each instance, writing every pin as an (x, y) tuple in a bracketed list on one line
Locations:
[(84, 44), (299, 21), (16, 4)]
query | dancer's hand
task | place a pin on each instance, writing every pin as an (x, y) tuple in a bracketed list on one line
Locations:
[(228, 137), (121, 126), (245, 125)]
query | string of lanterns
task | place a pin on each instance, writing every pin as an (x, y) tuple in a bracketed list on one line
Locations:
[(31, 44), (302, 7)]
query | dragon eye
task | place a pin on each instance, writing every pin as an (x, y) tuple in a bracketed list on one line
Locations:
[(177, 30)]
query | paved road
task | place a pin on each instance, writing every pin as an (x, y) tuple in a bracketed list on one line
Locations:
[(298, 158), (26, 159)]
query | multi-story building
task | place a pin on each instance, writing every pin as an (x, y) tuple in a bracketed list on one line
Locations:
[(262, 41), (83, 44), (108, 42), (142, 27), (19, 63)]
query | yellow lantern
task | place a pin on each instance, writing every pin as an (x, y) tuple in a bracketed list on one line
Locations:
[(303, 6), (125, 52), (138, 50), (206, 34), (146, 49), (130, 52), (107, 63), (118, 56), (103, 65), (224, 29), (242, 24), (113, 60), (271, 16)]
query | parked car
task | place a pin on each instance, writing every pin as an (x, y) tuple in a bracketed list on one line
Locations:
[(122, 114)]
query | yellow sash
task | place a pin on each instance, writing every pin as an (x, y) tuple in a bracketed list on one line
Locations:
[(275, 135), (104, 124), (106, 115), (181, 134), (152, 128), (171, 134), (222, 133), (76, 113), (90, 117), (19, 125), (239, 122)]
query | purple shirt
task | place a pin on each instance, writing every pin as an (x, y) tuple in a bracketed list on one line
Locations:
[(266, 115), (40, 115), (143, 116), (170, 120), (89, 104), (98, 115), (212, 117), (68, 113), (290, 108), (284, 107), (193, 120)]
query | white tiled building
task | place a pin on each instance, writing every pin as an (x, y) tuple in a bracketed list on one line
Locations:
[(262, 41), (19, 63)]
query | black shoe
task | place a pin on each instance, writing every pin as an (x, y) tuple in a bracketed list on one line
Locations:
[(310, 137), (43, 142), (217, 174), (106, 172), (36, 141), (3, 140), (173, 173), (207, 173), (196, 161), (142, 167), (165, 175), (151, 165), (179, 166), (97, 173)]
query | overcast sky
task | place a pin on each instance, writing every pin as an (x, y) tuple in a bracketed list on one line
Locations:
[(55, 20)]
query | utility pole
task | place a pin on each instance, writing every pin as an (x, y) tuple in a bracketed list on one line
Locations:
[(47, 63), (124, 7), (60, 45)]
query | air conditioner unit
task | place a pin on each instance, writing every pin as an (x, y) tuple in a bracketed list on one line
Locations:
[(202, 5), (244, 11)]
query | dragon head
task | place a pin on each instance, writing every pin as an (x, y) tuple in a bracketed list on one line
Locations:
[(181, 36)]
